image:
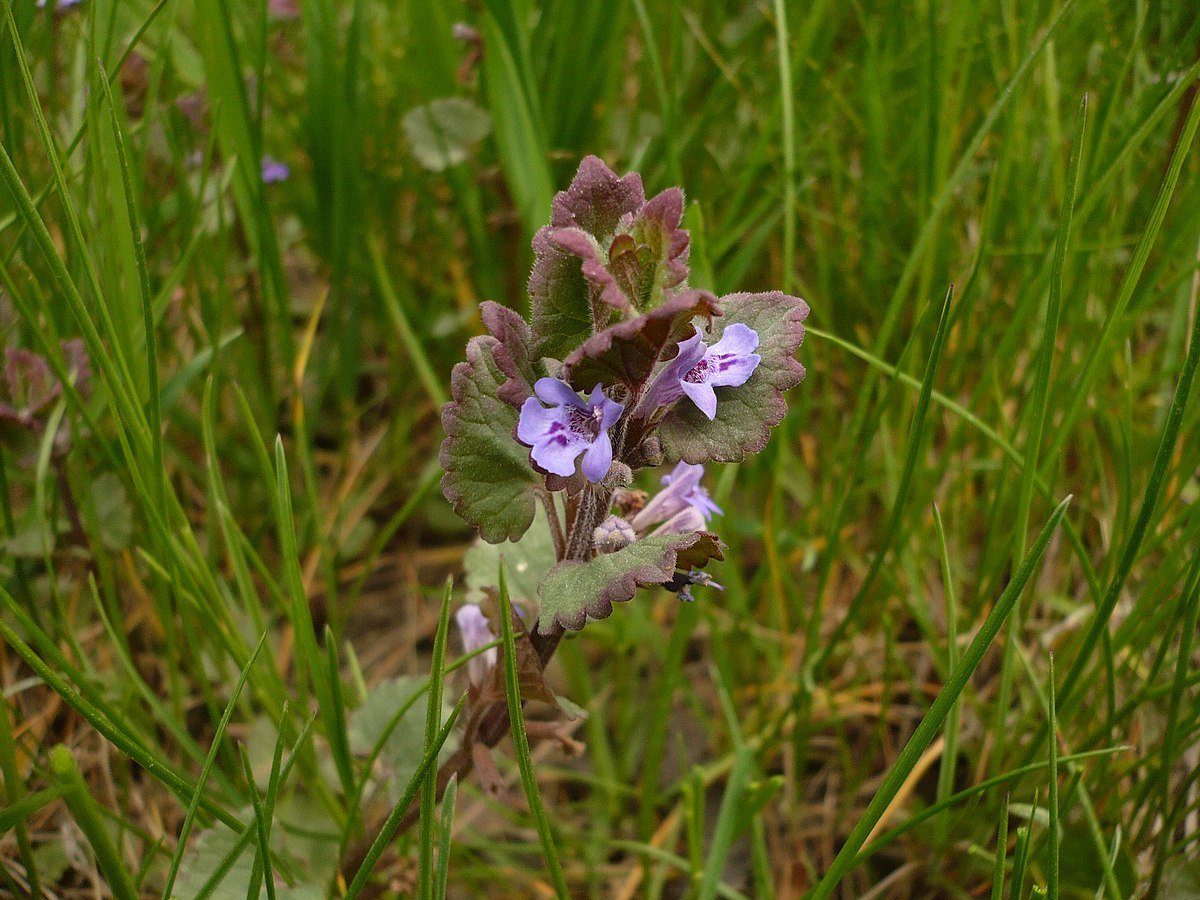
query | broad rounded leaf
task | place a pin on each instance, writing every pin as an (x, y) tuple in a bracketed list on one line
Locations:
[(572, 591), (526, 563), (488, 479), (442, 132), (746, 414), (626, 353)]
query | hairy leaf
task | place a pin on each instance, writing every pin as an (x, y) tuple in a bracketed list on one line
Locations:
[(746, 414), (512, 354), (597, 200), (560, 299), (488, 479), (572, 591), (626, 353)]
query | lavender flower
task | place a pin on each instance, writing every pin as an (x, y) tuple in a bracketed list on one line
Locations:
[(473, 625), (698, 368), (274, 171), (60, 6), (569, 427), (682, 506)]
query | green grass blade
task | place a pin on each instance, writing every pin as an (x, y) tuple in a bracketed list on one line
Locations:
[(1054, 834), (17, 803), (727, 822), (1001, 853), (1171, 733), (516, 716), (417, 354), (446, 838), (891, 530), (933, 720), (388, 831), (1129, 283), (1133, 543), (783, 51), (949, 761), (433, 717), (262, 862), (122, 738), (205, 770), (87, 816)]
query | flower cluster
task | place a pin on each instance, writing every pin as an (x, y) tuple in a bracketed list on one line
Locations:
[(622, 366)]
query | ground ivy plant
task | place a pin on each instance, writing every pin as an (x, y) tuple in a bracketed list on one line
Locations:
[(621, 366)]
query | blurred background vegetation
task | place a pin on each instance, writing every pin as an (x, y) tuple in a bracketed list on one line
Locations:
[(243, 244)]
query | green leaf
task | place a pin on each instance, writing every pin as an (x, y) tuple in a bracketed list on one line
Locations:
[(404, 747), (746, 414), (559, 299), (205, 857), (526, 562), (113, 511), (442, 131), (488, 479), (573, 590)]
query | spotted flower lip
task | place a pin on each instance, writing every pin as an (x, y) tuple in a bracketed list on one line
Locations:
[(570, 426), (698, 368), (682, 505), (473, 626)]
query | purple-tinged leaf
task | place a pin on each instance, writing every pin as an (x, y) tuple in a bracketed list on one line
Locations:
[(572, 591), (644, 259), (488, 479), (627, 353), (698, 555), (653, 257), (744, 414), (579, 243), (32, 385), (560, 299), (597, 200), (512, 353)]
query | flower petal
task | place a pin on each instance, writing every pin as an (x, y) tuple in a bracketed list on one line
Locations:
[(685, 521), (557, 393), (703, 396), (536, 422), (738, 340), (732, 371), (557, 454), (610, 411), (598, 458)]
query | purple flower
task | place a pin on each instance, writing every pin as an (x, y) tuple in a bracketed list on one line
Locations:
[(273, 170), (698, 368), (683, 505), (569, 427), (473, 625), (60, 6)]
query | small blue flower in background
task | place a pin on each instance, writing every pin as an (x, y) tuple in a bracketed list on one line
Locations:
[(569, 427), (473, 625), (274, 171), (683, 505), (60, 5), (699, 368)]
